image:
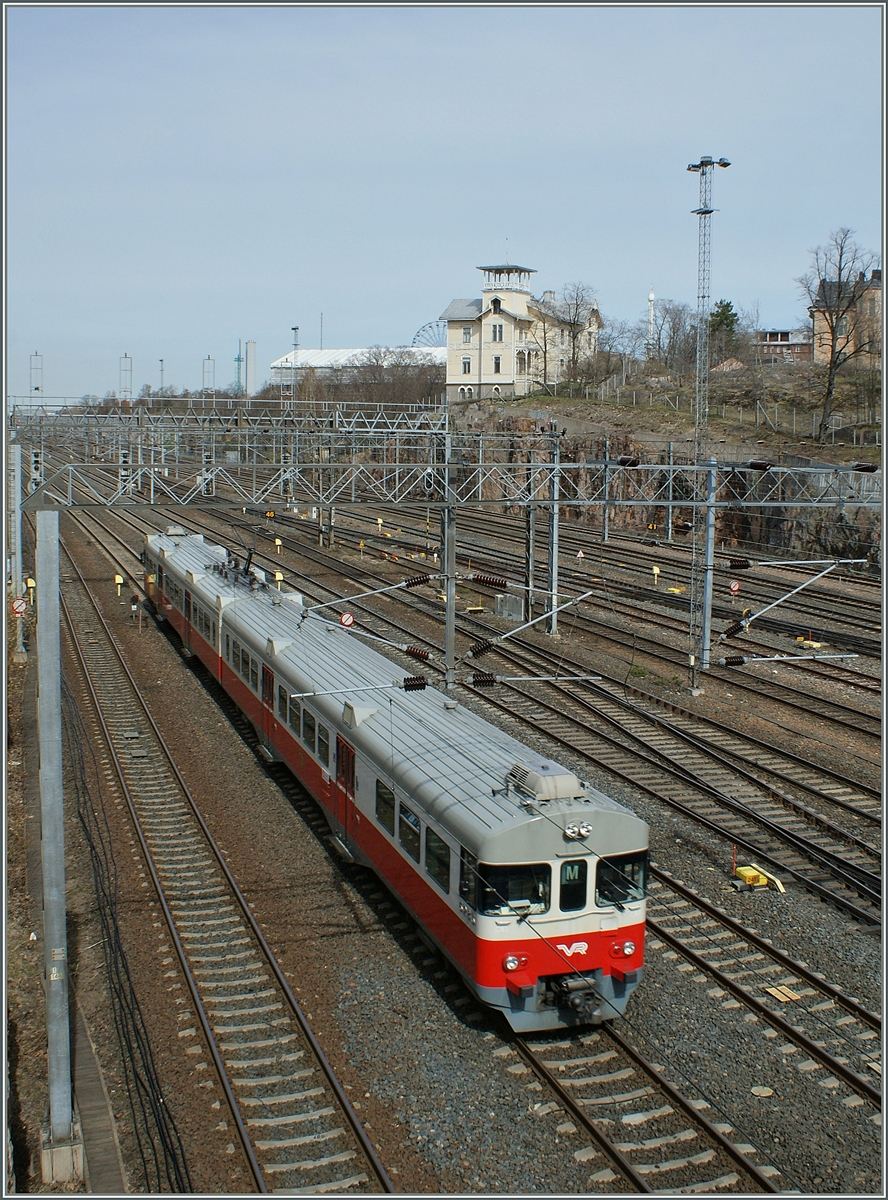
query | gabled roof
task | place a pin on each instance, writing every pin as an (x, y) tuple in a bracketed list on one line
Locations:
[(461, 310), (831, 293)]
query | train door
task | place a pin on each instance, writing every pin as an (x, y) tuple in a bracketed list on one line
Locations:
[(345, 780), (267, 701), (186, 630)]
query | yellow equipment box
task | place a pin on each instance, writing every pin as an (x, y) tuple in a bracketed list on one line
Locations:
[(751, 876)]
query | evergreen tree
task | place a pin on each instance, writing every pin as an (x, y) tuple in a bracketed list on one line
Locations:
[(723, 327)]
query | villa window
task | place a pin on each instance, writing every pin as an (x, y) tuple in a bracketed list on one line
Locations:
[(467, 366), (496, 304), (467, 333), (496, 364), (496, 333)]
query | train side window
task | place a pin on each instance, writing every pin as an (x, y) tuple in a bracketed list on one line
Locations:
[(573, 885), (283, 702), (468, 877), (324, 745), (254, 674), (437, 859), (227, 648), (295, 714), (214, 633), (235, 655), (308, 729), (408, 831), (385, 806)]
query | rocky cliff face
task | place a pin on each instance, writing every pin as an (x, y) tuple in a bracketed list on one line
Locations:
[(833, 532)]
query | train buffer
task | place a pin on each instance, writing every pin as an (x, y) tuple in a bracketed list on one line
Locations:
[(753, 878)]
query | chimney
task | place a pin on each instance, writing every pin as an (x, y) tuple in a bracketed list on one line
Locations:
[(876, 276)]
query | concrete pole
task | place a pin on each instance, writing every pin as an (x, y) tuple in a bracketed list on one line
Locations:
[(708, 566), (20, 654), (52, 819), (554, 495), (669, 460)]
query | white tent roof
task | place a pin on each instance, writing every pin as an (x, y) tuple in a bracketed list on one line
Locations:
[(335, 359)]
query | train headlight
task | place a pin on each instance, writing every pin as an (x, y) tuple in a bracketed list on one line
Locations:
[(585, 829), (628, 949), (513, 961), (574, 832)]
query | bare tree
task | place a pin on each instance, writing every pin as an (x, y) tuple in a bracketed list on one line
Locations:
[(675, 337), (575, 308), (841, 305), (397, 375), (618, 342), (564, 321), (543, 335)]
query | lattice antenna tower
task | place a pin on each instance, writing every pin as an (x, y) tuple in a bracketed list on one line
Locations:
[(238, 388), (293, 360), (704, 168), (36, 376), (651, 327), (125, 390)]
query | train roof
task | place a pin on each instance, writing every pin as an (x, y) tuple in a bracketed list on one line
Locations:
[(468, 774)]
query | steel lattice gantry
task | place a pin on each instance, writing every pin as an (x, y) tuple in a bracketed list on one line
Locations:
[(318, 475)]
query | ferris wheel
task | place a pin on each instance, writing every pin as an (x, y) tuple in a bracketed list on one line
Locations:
[(433, 333)]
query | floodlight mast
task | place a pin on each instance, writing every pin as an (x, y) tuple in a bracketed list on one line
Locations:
[(702, 556), (705, 167)]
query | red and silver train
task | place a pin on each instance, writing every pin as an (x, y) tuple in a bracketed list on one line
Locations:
[(531, 882)]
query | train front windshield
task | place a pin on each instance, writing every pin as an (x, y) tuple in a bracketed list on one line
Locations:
[(523, 888), (621, 880)]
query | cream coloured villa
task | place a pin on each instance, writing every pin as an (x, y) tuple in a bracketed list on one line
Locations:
[(509, 344)]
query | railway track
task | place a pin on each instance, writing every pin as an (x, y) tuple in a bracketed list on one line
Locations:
[(501, 540), (753, 681), (654, 1159), (755, 823), (601, 1081), (832, 1028), (294, 1122), (669, 759)]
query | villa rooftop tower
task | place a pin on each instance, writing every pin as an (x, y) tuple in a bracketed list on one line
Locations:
[(507, 278)]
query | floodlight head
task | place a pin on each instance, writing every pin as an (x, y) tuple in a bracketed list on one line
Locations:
[(723, 162), (693, 166)]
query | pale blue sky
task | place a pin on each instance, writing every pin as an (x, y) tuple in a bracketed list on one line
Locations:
[(179, 177)]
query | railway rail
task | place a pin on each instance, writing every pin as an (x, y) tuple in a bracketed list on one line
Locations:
[(841, 865), (700, 936), (752, 681), (856, 719), (296, 1127), (601, 1080), (499, 537)]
